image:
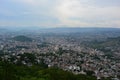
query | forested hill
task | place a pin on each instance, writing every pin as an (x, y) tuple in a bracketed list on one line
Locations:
[(10, 71), (22, 38)]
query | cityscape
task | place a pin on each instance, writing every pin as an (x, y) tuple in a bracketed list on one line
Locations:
[(80, 53)]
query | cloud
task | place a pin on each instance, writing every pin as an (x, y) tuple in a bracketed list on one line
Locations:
[(57, 13), (86, 14)]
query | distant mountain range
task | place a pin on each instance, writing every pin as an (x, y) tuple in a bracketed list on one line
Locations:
[(55, 30)]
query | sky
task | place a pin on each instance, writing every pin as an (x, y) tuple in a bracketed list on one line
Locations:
[(60, 13)]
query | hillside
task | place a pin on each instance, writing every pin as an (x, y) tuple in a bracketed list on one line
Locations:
[(22, 38), (106, 45)]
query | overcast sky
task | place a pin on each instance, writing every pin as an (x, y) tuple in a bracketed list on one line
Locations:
[(60, 13)]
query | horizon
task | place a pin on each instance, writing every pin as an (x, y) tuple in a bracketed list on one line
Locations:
[(61, 27)]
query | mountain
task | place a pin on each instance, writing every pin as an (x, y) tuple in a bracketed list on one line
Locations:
[(57, 30)]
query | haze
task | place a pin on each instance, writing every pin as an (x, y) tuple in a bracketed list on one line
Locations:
[(60, 13)]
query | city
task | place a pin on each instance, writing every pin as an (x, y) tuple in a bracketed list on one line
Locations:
[(65, 51)]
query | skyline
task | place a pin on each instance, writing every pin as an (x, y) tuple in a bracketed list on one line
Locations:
[(60, 13)]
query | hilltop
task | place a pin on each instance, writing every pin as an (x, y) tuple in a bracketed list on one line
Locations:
[(22, 38)]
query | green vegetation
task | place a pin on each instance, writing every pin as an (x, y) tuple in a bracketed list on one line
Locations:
[(9, 71), (22, 39)]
